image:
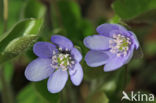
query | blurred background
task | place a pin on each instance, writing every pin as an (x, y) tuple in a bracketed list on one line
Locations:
[(74, 19)]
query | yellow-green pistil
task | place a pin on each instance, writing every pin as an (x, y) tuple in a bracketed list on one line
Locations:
[(119, 45), (62, 60)]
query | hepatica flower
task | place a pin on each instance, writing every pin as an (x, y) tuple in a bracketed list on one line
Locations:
[(113, 47), (55, 61)]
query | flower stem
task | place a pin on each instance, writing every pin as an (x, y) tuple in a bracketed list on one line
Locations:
[(5, 13), (125, 81), (7, 96)]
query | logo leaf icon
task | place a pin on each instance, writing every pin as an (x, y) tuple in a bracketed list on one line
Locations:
[(125, 96)]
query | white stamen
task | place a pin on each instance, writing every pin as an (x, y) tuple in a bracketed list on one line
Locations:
[(62, 63), (60, 55), (54, 52), (119, 45), (119, 35), (54, 57), (60, 49), (66, 55), (68, 63), (72, 62), (66, 49), (64, 69), (125, 53), (62, 60), (114, 35), (127, 48), (111, 42), (118, 54)]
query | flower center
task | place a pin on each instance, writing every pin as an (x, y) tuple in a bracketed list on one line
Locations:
[(119, 45), (62, 59)]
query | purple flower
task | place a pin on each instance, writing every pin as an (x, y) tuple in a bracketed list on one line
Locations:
[(113, 47), (55, 61)]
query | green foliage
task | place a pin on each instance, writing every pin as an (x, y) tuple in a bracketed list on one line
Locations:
[(8, 72), (37, 93), (150, 48), (19, 38), (29, 95), (13, 15), (128, 9), (98, 97), (33, 9), (75, 26), (70, 15), (115, 19), (87, 28), (67, 20), (41, 88), (18, 46)]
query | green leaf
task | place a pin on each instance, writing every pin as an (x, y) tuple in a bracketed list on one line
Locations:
[(109, 87), (37, 93), (13, 13), (41, 88), (18, 46), (8, 72), (29, 95), (71, 19), (33, 9), (115, 20), (87, 27), (146, 17), (128, 9), (122, 78), (19, 38)]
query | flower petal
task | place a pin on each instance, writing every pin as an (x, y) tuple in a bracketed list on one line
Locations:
[(62, 41), (129, 55), (125, 33), (57, 81), (76, 74), (106, 28), (97, 42), (38, 69), (113, 64), (135, 40), (44, 49), (77, 55), (96, 58)]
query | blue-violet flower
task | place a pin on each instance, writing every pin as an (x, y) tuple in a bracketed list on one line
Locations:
[(113, 47), (55, 61)]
